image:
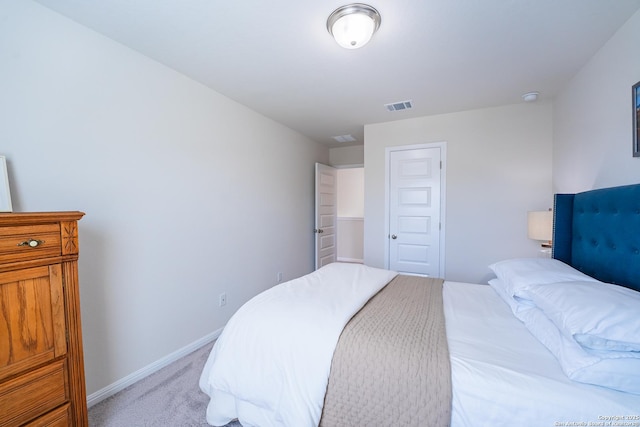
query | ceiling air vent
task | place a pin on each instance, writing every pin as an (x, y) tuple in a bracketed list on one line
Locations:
[(397, 106), (344, 138)]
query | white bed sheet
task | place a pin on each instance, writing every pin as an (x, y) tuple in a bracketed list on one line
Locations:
[(503, 376)]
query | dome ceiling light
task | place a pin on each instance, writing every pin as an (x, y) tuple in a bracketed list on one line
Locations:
[(353, 25)]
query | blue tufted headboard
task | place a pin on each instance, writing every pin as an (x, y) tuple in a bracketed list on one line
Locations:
[(598, 233)]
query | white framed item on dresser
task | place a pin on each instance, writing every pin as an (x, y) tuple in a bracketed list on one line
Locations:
[(5, 193)]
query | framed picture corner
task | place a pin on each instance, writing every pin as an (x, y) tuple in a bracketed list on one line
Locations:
[(5, 192)]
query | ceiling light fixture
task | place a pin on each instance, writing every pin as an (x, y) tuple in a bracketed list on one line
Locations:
[(530, 96), (353, 25)]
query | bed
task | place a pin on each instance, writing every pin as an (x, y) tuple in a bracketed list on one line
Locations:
[(547, 342)]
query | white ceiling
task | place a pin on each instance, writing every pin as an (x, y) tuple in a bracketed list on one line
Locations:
[(278, 58)]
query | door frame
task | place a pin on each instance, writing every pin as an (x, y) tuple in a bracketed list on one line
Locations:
[(443, 191)]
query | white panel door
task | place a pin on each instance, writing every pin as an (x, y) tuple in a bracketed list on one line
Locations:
[(326, 214), (414, 211)]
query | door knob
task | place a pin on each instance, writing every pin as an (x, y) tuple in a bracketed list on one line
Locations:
[(394, 237)]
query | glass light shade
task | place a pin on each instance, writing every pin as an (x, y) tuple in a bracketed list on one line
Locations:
[(353, 25), (540, 225), (353, 31)]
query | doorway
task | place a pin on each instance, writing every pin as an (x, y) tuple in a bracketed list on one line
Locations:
[(350, 215), (339, 215)]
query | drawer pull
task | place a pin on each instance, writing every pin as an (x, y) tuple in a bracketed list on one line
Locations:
[(33, 243)]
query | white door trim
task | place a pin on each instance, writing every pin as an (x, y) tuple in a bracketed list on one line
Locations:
[(443, 191)]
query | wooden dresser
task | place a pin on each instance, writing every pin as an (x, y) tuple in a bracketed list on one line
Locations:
[(41, 363)]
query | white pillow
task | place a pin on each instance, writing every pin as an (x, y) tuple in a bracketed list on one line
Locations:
[(599, 316), (516, 304), (578, 363), (520, 274)]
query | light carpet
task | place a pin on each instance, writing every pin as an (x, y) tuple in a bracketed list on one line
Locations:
[(170, 397)]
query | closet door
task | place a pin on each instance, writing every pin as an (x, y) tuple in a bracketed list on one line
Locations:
[(415, 211)]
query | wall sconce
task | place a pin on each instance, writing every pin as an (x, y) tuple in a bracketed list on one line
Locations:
[(353, 25), (540, 227)]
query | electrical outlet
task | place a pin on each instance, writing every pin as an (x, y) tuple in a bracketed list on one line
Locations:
[(222, 299), (279, 277)]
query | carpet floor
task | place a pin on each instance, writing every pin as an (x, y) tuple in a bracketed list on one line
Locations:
[(167, 398)]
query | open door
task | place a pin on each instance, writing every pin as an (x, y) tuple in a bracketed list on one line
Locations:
[(326, 213)]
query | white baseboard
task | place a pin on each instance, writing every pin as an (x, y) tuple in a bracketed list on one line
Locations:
[(125, 382)]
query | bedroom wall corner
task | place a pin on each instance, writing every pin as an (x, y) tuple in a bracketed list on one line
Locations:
[(182, 187), (592, 135)]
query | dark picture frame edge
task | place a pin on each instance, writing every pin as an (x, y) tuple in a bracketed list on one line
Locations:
[(635, 94)]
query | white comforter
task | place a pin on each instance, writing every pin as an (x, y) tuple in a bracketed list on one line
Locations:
[(503, 376), (270, 366)]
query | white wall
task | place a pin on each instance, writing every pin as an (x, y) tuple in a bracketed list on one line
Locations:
[(498, 168), (187, 194), (350, 233), (350, 239), (347, 156), (350, 192), (593, 118)]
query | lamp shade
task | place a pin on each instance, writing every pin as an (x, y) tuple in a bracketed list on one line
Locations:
[(352, 26), (540, 225)]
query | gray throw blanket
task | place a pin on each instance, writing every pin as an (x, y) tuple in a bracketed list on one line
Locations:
[(391, 365)]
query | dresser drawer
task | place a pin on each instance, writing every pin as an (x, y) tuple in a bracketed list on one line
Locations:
[(33, 394), (57, 418), (21, 243), (32, 320)]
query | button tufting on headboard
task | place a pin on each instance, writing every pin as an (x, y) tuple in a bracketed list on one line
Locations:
[(598, 232)]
